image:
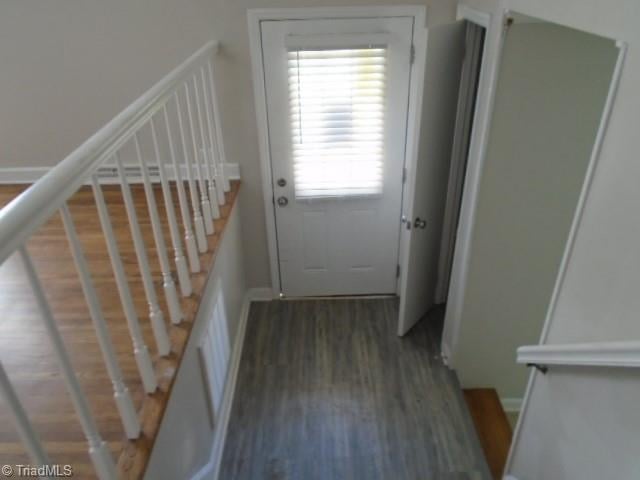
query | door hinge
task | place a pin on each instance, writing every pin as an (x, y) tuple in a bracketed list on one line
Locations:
[(412, 54), (398, 271)]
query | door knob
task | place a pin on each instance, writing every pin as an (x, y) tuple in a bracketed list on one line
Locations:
[(419, 223), (283, 201), (281, 182)]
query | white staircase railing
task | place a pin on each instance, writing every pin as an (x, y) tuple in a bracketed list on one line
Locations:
[(158, 111), (596, 354)]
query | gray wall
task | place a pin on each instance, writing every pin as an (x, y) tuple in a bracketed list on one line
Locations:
[(551, 89), (68, 67), (185, 439)]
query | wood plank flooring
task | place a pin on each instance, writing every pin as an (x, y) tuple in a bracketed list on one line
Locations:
[(492, 426), (26, 353), (326, 390)]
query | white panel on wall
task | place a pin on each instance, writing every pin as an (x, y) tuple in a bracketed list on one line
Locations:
[(215, 351)]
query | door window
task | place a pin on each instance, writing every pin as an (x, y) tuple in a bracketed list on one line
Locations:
[(337, 112)]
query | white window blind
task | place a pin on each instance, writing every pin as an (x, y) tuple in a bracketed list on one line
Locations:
[(337, 109)]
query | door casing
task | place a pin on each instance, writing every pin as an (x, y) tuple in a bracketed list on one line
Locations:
[(254, 17)]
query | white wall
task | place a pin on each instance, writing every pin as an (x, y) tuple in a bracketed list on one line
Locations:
[(185, 440), (585, 423), (69, 67), (550, 94)]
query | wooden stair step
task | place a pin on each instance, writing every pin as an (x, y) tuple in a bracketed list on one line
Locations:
[(492, 426)]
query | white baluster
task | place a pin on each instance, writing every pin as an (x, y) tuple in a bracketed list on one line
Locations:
[(120, 391), (170, 293), (140, 350), (206, 154), (222, 159), (98, 449), (155, 313), (25, 429), (189, 239), (215, 191), (198, 221), (181, 264), (204, 198)]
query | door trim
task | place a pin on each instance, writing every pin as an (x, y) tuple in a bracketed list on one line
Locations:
[(254, 17), (475, 164), (456, 175)]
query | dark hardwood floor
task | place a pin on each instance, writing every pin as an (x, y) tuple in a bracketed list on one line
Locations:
[(326, 390)]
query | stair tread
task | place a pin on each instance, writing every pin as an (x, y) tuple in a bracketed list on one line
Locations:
[(492, 426)]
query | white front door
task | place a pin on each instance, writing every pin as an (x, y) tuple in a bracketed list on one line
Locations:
[(337, 95)]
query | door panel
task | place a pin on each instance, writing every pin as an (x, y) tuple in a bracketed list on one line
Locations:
[(337, 95), (427, 182), (314, 229)]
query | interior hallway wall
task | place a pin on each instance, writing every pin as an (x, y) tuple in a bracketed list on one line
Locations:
[(68, 67), (551, 89)]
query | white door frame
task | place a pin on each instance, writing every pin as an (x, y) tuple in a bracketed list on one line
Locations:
[(451, 216), (475, 165), (254, 17)]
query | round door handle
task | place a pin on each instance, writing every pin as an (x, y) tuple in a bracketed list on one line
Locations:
[(281, 182), (419, 223), (283, 201)]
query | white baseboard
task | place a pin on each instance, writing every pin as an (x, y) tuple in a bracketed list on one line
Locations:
[(261, 294), (21, 175), (232, 170), (211, 469), (511, 405), (29, 175)]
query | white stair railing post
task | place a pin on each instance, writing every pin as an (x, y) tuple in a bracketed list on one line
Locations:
[(170, 293), (214, 158), (140, 350), (120, 391), (222, 159), (155, 313), (204, 198), (207, 158), (25, 429), (184, 279), (189, 239), (98, 449), (198, 220)]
